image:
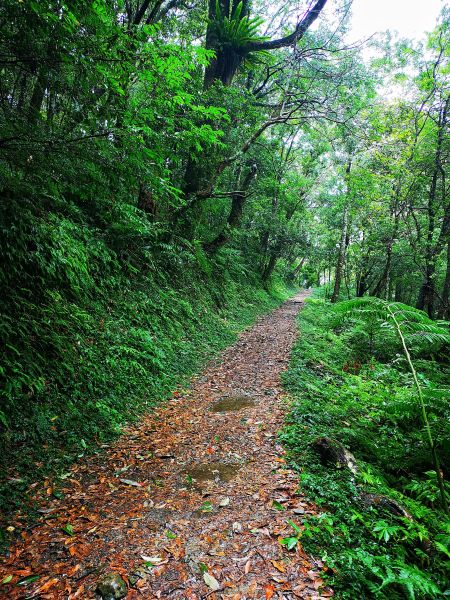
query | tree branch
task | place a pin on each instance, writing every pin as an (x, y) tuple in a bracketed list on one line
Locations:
[(141, 12), (300, 30)]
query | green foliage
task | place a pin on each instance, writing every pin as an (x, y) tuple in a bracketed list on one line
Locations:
[(124, 147), (369, 405), (236, 29), (96, 330), (422, 333), (107, 305), (401, 318)]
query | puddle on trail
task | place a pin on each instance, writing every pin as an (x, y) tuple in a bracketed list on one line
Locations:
[(212, 472), (232, 404)]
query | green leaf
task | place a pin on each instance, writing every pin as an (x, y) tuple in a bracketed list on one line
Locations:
[(289, 542), (443, 548), (28, 580), (295, 526), (3, 419), (68, 529), (206, 506)]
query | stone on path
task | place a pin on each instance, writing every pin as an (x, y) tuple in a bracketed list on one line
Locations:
[(112, 587)]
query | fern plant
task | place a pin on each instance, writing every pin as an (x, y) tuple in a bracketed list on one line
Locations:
[(426, 491), (397, 574), (406, 322), (237, 30)]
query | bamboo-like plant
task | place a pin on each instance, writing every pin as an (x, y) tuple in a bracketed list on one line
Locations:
[(406, 321)]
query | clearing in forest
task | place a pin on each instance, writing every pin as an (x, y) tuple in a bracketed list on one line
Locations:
[(191, 502)]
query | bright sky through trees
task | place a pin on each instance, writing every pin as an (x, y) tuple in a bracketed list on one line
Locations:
[(411, 18)]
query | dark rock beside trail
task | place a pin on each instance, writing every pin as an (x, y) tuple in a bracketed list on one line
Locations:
[(334, 453)]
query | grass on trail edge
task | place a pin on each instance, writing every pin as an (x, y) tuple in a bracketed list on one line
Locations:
[(368, 404), (115, 360)]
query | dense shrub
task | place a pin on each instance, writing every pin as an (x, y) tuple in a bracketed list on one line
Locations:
[(370, 406)]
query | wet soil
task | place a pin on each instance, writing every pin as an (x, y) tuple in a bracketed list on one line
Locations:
[(232, 404), (214, 471)]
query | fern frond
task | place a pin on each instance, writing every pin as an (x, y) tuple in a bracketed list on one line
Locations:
[(236, 30)]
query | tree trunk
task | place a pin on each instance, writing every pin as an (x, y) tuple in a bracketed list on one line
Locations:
[(383, 284), (226, 61), (444, 311), (341, 256), (398, 296), (238, 199), (344, 241), (383, 287), (297, 269), (427, 293), (37, 97), (361, 285), (425, 300), (237, 205), (227, 56), (222, 67), (270, 266)]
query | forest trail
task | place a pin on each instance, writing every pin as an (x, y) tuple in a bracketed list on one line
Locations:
[(193, 486)]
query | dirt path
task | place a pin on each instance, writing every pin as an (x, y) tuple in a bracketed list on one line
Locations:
[(192, 487)]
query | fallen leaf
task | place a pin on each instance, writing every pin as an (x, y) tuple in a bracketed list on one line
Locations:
[(318, 583), (68, 529), (206, 506), (131, 482), (170, 535), (46, 586), (270, 590), (73, 570), (152, 559), (7, 579), (224, 502), (211, 582), (203, 568), (27, 580), (252, 588), (279, 566)]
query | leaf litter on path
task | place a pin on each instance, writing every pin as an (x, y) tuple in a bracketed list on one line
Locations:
[(231, 547)]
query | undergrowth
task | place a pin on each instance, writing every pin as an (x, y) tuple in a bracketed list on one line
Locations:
[(96, 329), (381, 532)]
